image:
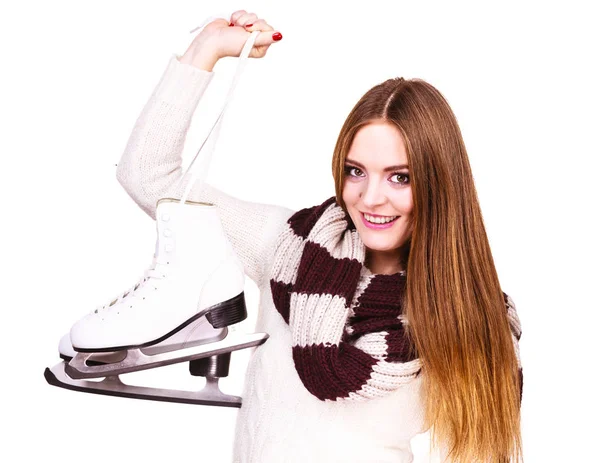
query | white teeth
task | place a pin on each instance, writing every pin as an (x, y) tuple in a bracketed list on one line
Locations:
[(372, 219)]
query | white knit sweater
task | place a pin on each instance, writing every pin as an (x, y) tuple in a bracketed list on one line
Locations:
[(280, 421)]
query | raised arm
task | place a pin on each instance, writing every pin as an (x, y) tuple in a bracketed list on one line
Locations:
[(150, 166)]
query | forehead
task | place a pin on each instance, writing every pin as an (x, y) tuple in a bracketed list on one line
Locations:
[(378, 144)]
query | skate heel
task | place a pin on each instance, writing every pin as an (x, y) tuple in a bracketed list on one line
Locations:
[(228, 312), (216, 366)]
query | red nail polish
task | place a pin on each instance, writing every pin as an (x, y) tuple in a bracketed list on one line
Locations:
[(249, 25), (230, 24), (277, 36)]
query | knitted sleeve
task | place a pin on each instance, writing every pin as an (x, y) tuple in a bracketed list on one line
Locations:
[(150, 167)]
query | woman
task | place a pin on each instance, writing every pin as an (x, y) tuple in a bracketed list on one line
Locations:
[(383, 305)]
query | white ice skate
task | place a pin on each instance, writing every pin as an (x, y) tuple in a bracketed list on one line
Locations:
[(193, 335), (179, 310)]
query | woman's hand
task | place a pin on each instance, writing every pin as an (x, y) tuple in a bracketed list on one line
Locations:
[(220, 38)]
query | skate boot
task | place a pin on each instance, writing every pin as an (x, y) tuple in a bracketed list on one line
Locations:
[(197, 274), (196, 333)]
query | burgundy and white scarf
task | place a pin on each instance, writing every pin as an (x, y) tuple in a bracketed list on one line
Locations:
[(349, 340), (348, 328)]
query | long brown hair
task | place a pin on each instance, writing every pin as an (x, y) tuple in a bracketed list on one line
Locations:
[(455, 308)]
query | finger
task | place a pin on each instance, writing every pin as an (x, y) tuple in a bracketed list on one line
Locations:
[(259, 52), (267, 38), (260, 25), (247, 18), (236, 15)]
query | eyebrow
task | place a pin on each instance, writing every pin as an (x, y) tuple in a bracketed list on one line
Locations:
[(387, 169)]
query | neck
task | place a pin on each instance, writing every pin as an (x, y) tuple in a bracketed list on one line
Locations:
[(385, 262)]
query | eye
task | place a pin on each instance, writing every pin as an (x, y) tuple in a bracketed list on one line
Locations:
[(352, 171), (404, 178)]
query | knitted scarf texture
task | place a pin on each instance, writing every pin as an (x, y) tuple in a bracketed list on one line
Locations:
[(349, 338), (348, 331)]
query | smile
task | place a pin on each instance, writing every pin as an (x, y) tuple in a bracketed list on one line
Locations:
[(378, 222)]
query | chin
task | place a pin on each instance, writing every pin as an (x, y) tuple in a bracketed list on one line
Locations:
[(380, 245), (379, 240)]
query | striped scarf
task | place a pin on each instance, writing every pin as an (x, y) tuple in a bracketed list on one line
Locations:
[(348, 328)]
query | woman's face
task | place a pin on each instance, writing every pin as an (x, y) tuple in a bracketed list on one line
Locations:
[(377, 189)]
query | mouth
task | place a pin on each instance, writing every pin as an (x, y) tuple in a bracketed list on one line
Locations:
[(378, 222)]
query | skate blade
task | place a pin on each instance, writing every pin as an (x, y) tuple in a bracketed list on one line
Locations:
[(136, 360), (113, 386)]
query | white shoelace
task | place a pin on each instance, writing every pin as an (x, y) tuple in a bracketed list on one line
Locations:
[(157, 270), (199, 174)]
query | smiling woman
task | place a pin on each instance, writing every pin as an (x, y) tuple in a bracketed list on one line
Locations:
[(382, 305), (429, 226), (378, 196)]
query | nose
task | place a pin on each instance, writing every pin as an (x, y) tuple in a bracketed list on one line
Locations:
[(372, 194)]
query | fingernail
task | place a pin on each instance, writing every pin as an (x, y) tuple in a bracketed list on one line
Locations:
[(249, 25), (230, 24), (277, 36)]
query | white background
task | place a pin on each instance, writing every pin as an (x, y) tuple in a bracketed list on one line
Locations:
[(521, 77)]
